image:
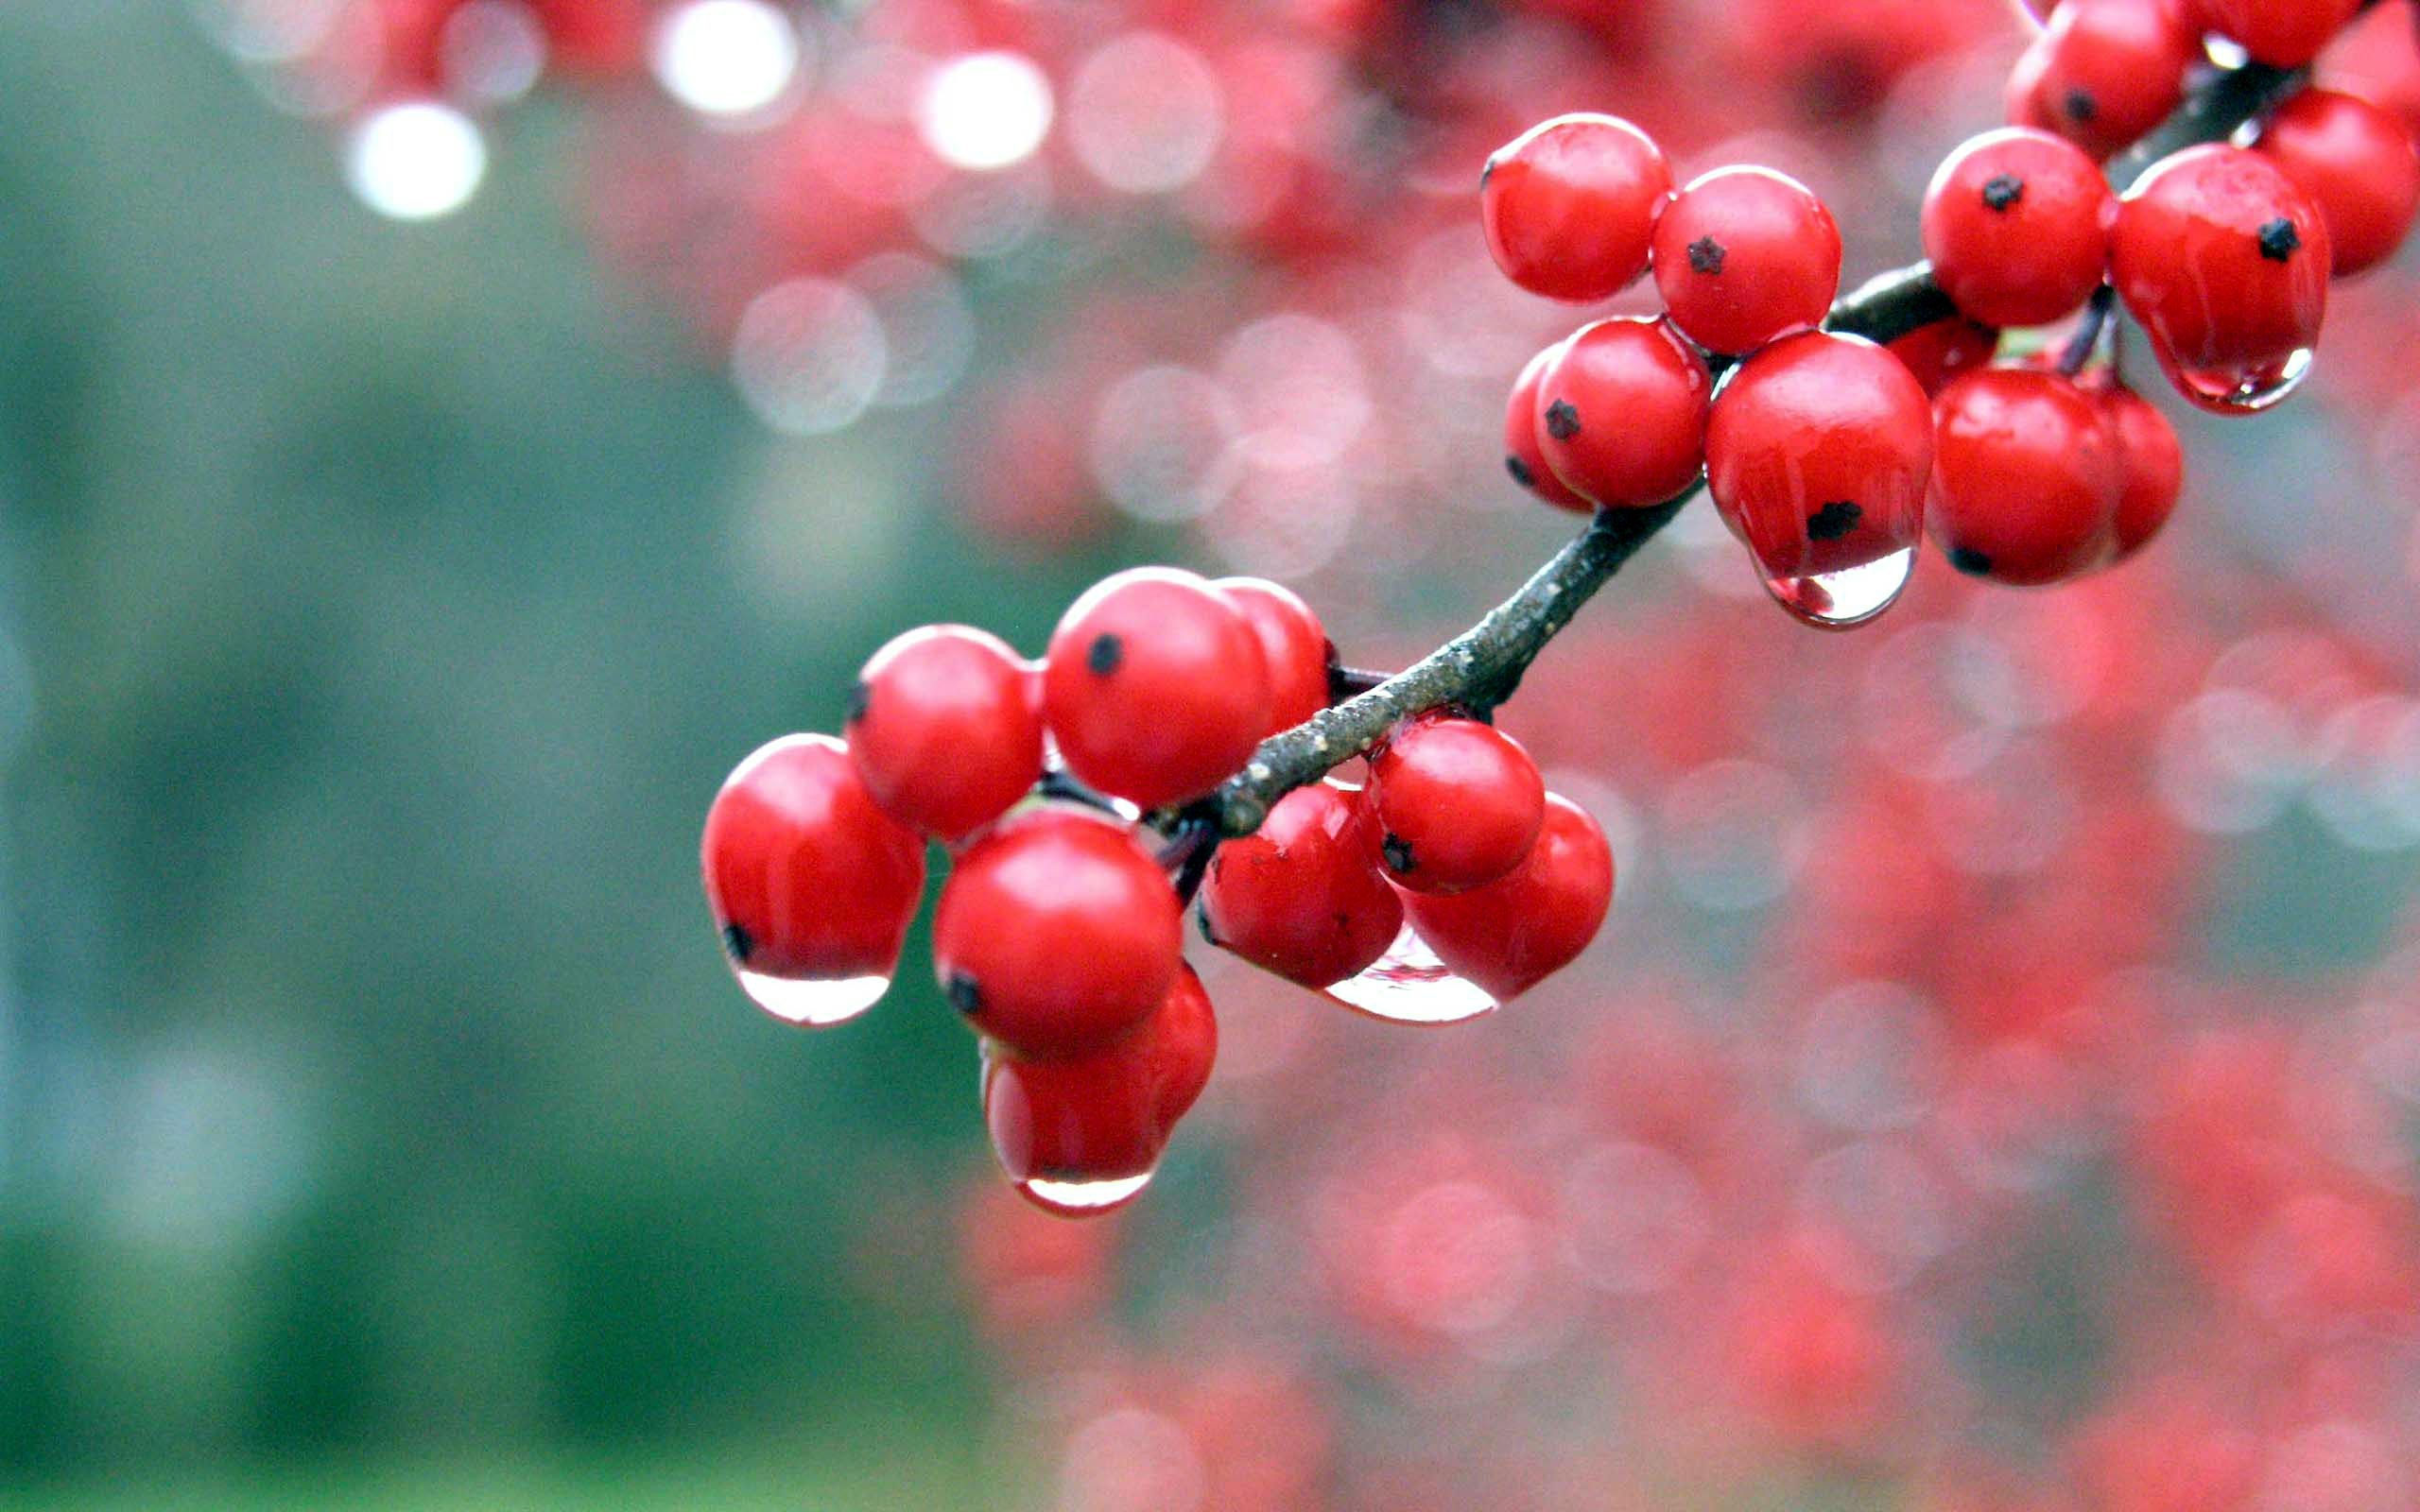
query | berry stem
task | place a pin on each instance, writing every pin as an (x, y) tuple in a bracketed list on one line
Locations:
[(2088, 332), (1481, 667), (1345, 683)]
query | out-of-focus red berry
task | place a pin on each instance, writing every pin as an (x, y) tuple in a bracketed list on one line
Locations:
[(2281, 33), (2104, 71)]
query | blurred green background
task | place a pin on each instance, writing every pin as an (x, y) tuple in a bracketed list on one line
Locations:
[(380, 607)]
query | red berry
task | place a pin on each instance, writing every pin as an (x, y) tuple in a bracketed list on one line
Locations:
[(1079, 1136), (2356, 163), (1515, 933), (1293, 646), (1570, 204), (1939, 352), (595, 37), (1743, 255), (1621, 413), (943, 729), (2225, 262), (2103, 73), (1524, 457), (1817, 456), (1456, 804), (1056, 934), (2282, 33), (1155, 688), (1300, 898), (2016, 226), (2026, 478), (2154, 468), (810, 881)]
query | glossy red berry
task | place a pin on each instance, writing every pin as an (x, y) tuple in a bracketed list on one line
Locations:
[(1570, 205), (1156, 688), (1456, 804), (1524, 457), (810, 881), (1743, 255), (2026, 478), (1293, 646), (1302, 896), (2104, 71), (2154, 468), (1056, 932), (1082, 1136), (2225, 263), (943, 729), (2017, 225), (1817, 454), (1935, 353), (1621, 413), (2359, 166), (1515, 933), (2282, 33)]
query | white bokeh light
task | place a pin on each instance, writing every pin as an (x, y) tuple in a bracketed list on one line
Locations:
[(809, 357), (986, 111), (725, 56), (1146, 113), (416, 162)]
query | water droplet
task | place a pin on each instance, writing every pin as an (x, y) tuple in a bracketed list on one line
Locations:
[(2243, 390), (1409, 985), (815, 1004), (1084, 1199), (1849, 597)]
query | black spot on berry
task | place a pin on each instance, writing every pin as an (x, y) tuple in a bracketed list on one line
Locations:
[(861, 699), (1705, 256), (2003, 190), (2279, 240), (736, 944), (1202, 917), (1106, 655), (1486, 171), (1562, 422), (964, 995), (1520, 472), (1834, 521), (1970, 561), (2081, 106), (1397, 851)]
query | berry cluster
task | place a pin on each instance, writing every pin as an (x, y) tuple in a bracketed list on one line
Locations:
[(1059, 934), (1829, 456), (1086, 800)]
